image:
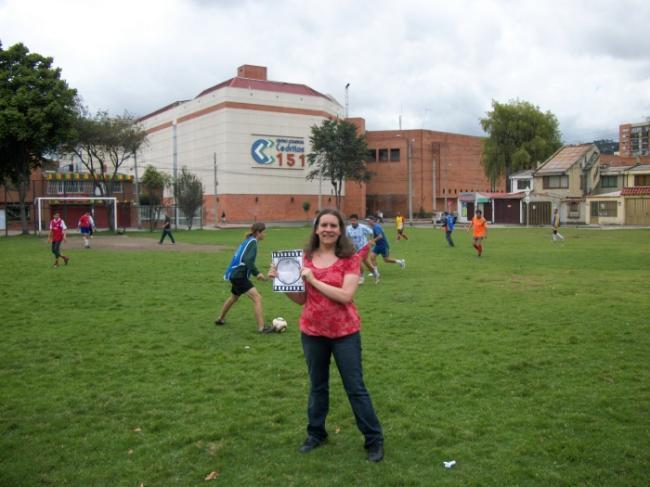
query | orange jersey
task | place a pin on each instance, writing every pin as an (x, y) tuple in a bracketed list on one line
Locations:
[(480, 226)]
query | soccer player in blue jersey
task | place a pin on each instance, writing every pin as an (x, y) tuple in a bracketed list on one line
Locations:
[(381, 248), (361, 236)]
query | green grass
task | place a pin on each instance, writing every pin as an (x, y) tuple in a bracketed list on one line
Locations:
[(529, 366)]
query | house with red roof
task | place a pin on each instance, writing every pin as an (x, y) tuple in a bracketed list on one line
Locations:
[(563, 181)]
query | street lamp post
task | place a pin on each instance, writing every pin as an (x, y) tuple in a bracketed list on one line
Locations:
[(347, 100)]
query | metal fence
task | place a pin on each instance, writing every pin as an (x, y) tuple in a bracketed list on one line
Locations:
[(153, 215)]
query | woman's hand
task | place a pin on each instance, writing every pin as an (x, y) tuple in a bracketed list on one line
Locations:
[(273, 271), (307, 275), (260, 277)]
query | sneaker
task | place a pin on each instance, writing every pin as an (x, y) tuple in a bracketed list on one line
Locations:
[(266, 329), (310, 443), (376, 452), (402, 263), (361, 279), (65, 260), (371, 274), (219, 322)]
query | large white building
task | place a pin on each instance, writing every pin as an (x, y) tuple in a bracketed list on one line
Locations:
[(247, 139)]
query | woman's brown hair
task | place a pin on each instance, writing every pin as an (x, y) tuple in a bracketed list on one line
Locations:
[(344, 247), (255, 228)]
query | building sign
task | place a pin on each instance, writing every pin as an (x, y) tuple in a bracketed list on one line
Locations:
[(278, 152)]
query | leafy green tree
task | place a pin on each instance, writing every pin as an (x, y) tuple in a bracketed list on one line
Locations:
[(338, 153), (36, 113), (519, 136), (153, 183), (103, 144), (188, 191)]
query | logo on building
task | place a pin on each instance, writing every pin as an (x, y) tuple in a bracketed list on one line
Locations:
[(258, 151), (278, 152)]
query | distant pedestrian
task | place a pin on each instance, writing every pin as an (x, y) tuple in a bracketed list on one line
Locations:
[(86, 225), (555, 222), (56, 237), (241, 268), (167, 230), (381, 248), (479, 225), (380, 215), (399, 225), (223, 217), (448, 221)]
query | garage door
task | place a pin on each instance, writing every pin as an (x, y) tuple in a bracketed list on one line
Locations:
[(637, 211)]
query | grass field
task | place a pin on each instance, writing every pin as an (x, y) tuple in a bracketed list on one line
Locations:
[(529, 366)]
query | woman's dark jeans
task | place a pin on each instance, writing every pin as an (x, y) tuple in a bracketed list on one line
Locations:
[(347, 354)]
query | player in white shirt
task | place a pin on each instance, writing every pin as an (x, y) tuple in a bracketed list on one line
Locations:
[(361, 236)]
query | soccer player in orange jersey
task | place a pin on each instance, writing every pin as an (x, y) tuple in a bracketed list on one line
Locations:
[(479, 225)]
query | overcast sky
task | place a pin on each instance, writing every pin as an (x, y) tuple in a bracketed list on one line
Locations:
[(437, 63)]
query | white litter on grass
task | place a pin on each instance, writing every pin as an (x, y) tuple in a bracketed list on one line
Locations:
[(247, 347), (449, 464)]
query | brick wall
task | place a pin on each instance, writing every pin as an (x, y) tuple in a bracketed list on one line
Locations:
[(452, 160), (245, 208)]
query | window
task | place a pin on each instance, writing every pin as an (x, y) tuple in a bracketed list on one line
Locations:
[(642, 180), (604, 208), (555, 182), (523, 183), (583, 182), (574, 210), (372, 155), (608, 181), (72, 186), (394, 155), (383, 155)]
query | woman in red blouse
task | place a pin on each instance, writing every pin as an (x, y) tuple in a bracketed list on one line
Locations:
[(330, 325)]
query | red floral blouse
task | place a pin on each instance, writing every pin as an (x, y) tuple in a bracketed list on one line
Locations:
[(322, 316)]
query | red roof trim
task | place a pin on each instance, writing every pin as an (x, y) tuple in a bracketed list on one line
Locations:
[(265, 85), (635, 191)]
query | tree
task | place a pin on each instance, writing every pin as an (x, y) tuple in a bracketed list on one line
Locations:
[(188, 191), (103, 144), (153, 183), (519, 136), (36, 114), (338, 153)]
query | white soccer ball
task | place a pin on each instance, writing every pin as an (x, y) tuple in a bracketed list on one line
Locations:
[(280, 325)]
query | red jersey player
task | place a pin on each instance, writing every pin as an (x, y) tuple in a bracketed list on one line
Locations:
[(56, 237)]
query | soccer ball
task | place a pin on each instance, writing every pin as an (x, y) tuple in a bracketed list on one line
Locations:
[(280, 325)]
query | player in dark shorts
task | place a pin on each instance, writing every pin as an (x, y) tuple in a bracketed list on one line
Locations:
[(239, 271)]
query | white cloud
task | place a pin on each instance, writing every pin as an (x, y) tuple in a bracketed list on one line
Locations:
[(437, 63)]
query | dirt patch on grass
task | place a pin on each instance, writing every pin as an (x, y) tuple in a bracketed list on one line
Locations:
[(130, 243)]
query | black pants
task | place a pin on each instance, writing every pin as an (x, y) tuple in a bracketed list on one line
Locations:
[(167, 231), (448, 237), (56, 249), (347, 355)]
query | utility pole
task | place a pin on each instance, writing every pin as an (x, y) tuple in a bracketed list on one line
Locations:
[(174, 170), (410, 177), (433, 186), (216, 187), (320, 189), (137, 190)]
